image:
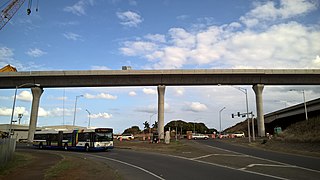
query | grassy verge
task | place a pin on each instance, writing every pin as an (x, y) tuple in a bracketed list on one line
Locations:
[(71, 167), (59, 168), (19, 159)]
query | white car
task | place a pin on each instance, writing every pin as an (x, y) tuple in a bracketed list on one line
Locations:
[(200, 136), (239, 134), (126, 137)]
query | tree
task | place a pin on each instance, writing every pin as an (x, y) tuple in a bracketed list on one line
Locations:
[(155, 125), (132, 130), (146, 125)]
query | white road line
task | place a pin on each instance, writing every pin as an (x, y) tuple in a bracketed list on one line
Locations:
[(228, 167), (276, 162), (200, 157), (267, 165), (128, 164)]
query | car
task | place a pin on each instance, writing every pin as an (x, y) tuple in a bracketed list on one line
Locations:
[(199, 136), (125, 137), (239, 135)]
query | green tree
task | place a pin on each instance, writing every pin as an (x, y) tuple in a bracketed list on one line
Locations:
[(132, 130), (146, 125)]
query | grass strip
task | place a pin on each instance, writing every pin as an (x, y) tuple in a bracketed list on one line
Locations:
[(19, 159)]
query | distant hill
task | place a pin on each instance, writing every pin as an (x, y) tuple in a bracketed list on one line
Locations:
[(243, 127), (188, 126)]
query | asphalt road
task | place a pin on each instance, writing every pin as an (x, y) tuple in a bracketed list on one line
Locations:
[(216, 160), (142, 165), (312, 163)]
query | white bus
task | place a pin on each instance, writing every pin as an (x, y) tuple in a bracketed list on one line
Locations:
[(87, 140)]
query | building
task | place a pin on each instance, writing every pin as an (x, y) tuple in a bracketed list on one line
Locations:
[(20, 131)]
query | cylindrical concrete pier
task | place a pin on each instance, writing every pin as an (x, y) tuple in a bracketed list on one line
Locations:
[(161, 91), (36, 93), (258, 88)]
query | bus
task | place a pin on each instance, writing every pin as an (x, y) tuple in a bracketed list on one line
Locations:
[(87, 140)]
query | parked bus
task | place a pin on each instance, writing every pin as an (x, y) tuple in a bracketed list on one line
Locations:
[(87, 140)]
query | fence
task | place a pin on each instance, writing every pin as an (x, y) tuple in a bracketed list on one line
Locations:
[(7, 148)]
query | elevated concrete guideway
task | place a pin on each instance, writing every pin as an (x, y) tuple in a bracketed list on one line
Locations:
[(161, 78), (99, 78)]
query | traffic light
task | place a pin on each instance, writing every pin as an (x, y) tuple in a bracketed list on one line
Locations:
[(238, 114), (232, 115)]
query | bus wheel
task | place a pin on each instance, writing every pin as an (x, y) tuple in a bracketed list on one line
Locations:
[(65, 147), (87, 148), (40, 146)]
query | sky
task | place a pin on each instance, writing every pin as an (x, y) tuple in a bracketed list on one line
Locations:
[(158, 34)]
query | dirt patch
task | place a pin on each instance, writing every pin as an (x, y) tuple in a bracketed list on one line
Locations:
[(35, 169)]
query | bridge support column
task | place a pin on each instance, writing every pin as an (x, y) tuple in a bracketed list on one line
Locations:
[(258, 88), (161, 91), (36, 94)]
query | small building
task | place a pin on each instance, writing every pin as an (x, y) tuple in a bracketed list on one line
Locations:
[(8, 68)]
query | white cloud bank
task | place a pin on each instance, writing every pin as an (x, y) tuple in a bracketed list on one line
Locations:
[(100, 96), (35, 52), (278, 41), (79, 8), (129, 18), (195, 107), (101, 116)]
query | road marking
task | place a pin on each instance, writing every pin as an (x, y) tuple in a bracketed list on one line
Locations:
[(223, 166), (267, 165), (128, 164), (202, 157), (276, 162)]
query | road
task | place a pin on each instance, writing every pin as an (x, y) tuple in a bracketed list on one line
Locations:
[(212, 160)]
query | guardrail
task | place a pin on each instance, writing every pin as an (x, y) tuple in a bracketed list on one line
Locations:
[(7, 148)]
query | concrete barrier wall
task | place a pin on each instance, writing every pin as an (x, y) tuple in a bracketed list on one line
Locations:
[(7, 148)]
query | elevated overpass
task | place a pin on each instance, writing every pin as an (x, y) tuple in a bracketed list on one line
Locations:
[(160, 78), (284, 117)]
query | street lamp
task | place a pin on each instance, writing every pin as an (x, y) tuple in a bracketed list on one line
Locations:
[(75, 109), (304, 101), (194, 124), (89, 117), (220, 116), (15, 98), (246, 93)]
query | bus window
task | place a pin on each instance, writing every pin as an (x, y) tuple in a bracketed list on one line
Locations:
[(103, 137), (84, 137)]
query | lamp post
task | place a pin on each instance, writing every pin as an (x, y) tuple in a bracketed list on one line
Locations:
[(14, 101), (89, 117), (75, 109), (247, 107), (304, 101), (220, 117), (194, 124)]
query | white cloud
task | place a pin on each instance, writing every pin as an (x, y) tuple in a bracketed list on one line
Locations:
[(149, 91), (271, 11), (101, 115), (36, 52), (43, 113), (79, 8), (195, 107), (156, 37), (279, 45), (129, 18), (132, 93), (100, 96), (58, 112), (24, 96), (17, 110), (100, 68), (72, 36), (179, 91)]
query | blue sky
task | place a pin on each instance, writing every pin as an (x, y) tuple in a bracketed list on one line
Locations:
[(160, 34)]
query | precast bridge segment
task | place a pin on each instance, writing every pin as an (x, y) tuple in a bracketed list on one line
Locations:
[(160, 78)]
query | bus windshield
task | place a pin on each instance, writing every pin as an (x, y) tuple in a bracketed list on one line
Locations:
[(100, 137)]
